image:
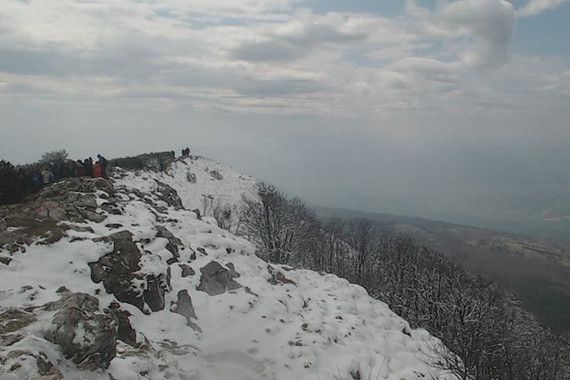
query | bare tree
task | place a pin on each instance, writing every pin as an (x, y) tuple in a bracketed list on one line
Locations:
[(55, 157)]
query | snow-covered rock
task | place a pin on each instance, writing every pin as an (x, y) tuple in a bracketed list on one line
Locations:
[(188, 299)]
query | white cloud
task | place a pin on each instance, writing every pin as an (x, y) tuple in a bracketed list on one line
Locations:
[(264, 56), (535, 7), (489, 23)]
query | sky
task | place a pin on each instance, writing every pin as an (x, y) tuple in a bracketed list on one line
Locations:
[(453, 110)]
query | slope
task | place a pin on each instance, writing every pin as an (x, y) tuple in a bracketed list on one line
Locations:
[(120, 280)]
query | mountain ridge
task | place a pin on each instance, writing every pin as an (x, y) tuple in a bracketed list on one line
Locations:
[(188, 299)]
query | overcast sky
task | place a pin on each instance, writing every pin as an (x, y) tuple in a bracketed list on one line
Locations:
[(457, 110)]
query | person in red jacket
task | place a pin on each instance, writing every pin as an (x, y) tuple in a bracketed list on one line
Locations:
[(97, 170)]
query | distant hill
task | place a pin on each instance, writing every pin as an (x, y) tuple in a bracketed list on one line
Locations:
[(537, 270)]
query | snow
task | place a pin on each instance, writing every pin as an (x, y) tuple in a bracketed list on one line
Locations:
[(318, 327)]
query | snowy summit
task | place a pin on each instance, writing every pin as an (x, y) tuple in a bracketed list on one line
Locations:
[(146, 276)]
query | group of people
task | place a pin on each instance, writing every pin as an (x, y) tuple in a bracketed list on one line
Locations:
[(67, 169)]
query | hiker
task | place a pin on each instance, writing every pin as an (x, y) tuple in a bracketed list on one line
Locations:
[(36, 180), (103, 161), (62, 170), (79, 170), (97, 170), (88, 168), (47, 176), (71, 169)]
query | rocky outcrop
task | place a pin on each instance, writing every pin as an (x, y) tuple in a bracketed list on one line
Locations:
[(168, 195), (172, 245), (83, 334), (72, 200), (24, 364), (125, 331), (119, 271), (216, 279)]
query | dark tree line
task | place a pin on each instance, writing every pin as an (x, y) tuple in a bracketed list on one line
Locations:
[(486, 329), (12, 184)]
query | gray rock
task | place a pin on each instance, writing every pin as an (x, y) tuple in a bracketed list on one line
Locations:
[(216, 175), (168, 195), (190, 177), (84, 335), (125, 331), (216, 279), (118, 270), (183, 306), (172, 245), (186, 270)]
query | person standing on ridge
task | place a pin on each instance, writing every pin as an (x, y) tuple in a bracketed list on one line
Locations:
[(103, 162), (88, 167), (47, 176), (97, 170)]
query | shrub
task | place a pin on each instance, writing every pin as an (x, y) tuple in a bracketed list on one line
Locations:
[(12, 185), (55, 157)]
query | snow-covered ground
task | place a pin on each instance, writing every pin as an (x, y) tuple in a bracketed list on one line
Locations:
[(297, 324)]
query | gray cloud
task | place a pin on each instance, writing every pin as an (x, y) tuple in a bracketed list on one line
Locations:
[(489, 22), (535, 7), (425, 112), (303, 38)]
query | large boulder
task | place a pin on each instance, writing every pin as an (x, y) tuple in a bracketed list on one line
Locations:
[(120, 273), (216, 279), (83, 334), (117, 269)]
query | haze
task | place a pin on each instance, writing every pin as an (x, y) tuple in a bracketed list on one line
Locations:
[(453, 110)]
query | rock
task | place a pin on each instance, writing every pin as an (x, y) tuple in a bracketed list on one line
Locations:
[(83, 334), (5, 260), (202, 251), (232, 269), (113, 226), (72, 200), (15, 319), (190, 177), (156, 287), (186, 270), (183, 306), (116, 269), (277, 277), (216, 279), (125, 331), (119, 272), (216, 175), (168, 195), (198, 213), (172, 245), (23, 364)]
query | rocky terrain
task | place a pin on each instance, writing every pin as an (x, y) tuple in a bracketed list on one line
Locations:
[(134, 278)]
